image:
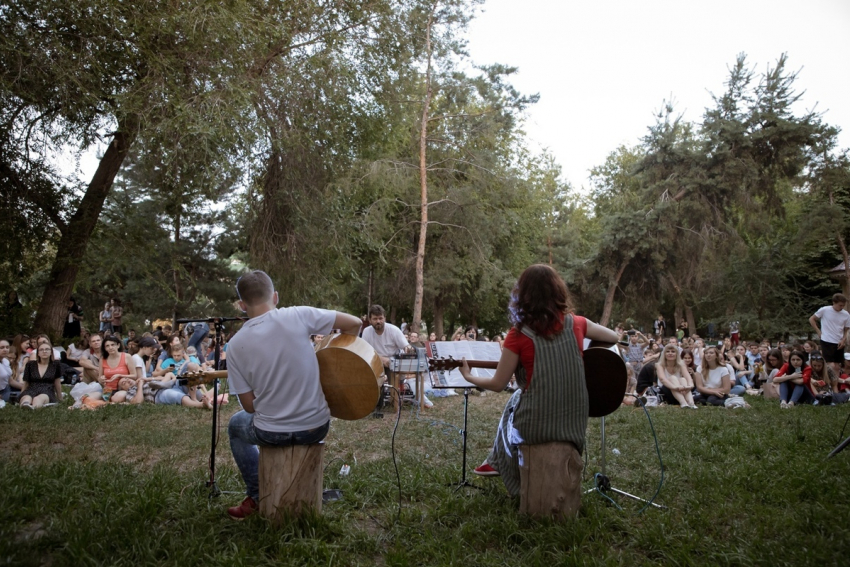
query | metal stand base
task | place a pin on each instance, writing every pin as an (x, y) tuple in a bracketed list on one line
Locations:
[(463, 482), (603, 483)]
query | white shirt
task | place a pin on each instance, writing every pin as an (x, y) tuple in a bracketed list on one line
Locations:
[(387, 343), (714, 378), (832, 323), (5, 373), (138, 362), (272, 356)]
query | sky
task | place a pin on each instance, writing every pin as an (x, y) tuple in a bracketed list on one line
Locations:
[(603, 69)]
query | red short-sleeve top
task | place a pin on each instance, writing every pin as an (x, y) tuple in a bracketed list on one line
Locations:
[(519, 344)]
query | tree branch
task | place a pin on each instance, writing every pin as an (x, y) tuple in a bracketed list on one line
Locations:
[(34, 196)]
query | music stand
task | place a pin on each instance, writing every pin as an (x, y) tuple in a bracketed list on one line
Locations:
[(453, 380)]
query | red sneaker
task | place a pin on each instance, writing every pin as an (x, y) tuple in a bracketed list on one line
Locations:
[(486, 470), (247, 508)]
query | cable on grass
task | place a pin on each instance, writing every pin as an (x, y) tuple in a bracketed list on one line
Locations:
[(660, 463), (841, 436), (331, 462), (392, 448)]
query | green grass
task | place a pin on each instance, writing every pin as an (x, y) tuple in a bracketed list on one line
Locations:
[(126, 486)]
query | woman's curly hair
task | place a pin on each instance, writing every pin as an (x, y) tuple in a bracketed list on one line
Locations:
[(540, 299)]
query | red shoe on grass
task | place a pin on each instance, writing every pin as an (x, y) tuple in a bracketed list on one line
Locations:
[(247, 508), (486, 470)]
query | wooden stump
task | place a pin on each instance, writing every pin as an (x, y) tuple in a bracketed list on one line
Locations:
[(550, 480), (290, 480)]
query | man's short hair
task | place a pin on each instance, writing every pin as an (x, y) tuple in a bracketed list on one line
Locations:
[(839, 298), (377, 310), (255, 288)]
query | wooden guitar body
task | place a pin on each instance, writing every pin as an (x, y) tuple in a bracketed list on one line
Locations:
[(349, 369), (351, 374)]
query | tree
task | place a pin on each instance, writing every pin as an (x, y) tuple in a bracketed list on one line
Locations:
[(72, 74)]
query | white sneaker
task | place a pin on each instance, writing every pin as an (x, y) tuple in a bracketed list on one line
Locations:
[(790, 405), (783, 404)]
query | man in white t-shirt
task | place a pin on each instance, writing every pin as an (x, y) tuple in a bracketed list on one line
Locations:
[(834, 324), (272, 367), (387, 340)]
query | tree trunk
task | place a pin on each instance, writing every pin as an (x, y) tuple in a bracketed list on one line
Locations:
[(689, 315), (439, 312), (369, 294), (75, 237), (175, 267), (677, 316), (613, 282), (423, 185)]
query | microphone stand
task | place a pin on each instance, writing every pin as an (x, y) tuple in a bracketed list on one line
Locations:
[(218, 325)]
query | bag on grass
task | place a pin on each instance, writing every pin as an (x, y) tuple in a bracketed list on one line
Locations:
[(81, 389), (736, 402)]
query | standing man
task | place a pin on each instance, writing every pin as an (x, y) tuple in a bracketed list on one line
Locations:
[(834, 324), (117, 314), (273, 369), (660, 326)]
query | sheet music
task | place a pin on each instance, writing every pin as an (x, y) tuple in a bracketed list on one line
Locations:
[(471, 350)]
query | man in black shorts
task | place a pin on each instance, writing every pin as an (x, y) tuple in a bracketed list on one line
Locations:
[(834, 324)]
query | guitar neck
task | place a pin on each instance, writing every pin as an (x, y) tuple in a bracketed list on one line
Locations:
[(491, 364), (452, 363)]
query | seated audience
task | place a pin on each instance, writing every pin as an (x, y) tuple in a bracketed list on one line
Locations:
[(114, 365), (8, 381), (743, 373), (791, 378), (90, 359), (43, 379), (713, 379), (674, 379), (173, 341), (822, 379)]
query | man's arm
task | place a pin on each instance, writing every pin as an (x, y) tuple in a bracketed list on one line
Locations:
[(86, 363), (348, 324), (247, 401), (813, 321)]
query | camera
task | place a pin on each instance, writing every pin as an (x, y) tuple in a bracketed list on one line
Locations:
[(631, 332)]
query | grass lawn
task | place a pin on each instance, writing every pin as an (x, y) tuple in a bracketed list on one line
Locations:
[(126, 486)]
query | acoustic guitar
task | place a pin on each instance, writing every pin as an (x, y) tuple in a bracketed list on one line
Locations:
[(350, 371), (605, 376)]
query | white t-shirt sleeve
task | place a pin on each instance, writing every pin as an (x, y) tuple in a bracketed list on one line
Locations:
[(139, 363), (236, 383), (398, 338), (318, 321)]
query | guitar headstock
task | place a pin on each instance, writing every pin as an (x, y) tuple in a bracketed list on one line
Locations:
[(442, 364), (192, 379)]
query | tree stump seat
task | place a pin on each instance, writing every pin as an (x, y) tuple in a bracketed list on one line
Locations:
[(550, 480), (290, 480)]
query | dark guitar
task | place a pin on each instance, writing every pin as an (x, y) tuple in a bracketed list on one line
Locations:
[(605, 376)]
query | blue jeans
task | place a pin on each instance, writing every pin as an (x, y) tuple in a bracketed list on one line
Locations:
[(791, 392), (200, 333), (744, 380), (737, 390), (244, 438)]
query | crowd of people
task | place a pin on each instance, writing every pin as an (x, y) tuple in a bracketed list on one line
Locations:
[(104, 367), (686, 370)]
